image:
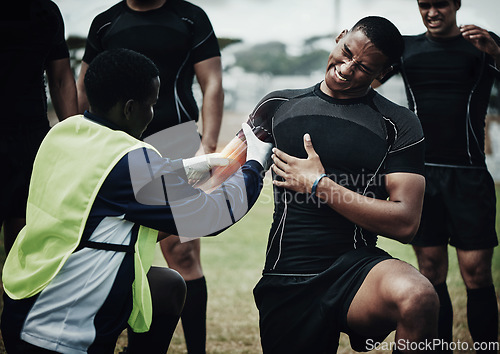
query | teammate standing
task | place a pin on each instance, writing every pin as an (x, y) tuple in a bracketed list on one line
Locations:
[(448, 72), (179, 38), (33, 44)]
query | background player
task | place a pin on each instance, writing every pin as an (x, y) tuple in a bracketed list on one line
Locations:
[(448, 72), (179, 38), (33, 44)]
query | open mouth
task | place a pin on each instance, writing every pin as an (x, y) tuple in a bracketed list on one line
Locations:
[(434, 22), (340, 77)]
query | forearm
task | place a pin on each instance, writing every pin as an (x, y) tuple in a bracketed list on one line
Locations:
[(64, 101), (209, 76), (63, 93), (395, 219), (83, 104), (213, 101)]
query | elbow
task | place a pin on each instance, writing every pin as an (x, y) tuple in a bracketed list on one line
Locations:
[(407, 232)]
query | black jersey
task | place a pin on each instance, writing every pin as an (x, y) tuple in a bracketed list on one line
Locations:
[(448, 85), (359, 141), (32, 35), (175, 37)]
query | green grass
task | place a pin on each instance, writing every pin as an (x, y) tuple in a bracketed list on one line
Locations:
[(233, 262)]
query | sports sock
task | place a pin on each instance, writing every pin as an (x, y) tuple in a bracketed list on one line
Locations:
[(445, 323), (482, 315), (194, 316)]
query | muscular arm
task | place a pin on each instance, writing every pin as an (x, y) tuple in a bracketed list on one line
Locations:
[(83, 103), (397, 218), (209, 76), (62, 88)]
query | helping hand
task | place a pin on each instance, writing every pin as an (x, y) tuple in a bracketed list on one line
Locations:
[(256, 149), (198, 167)]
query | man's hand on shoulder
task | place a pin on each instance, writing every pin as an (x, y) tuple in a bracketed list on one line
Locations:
[(482, 40)]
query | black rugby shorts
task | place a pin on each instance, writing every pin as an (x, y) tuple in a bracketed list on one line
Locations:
[(459, 209)]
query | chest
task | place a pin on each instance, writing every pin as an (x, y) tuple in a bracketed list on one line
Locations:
[(349, 140), (454, 66), (164, 37)]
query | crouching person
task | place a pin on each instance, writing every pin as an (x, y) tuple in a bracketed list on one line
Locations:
[(78, 271)]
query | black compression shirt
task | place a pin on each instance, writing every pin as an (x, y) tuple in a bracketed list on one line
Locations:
[(352, 138), (448, 85), (34, 36), (175, 36)]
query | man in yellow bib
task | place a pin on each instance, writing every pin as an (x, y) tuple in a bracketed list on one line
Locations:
[(76, 274)]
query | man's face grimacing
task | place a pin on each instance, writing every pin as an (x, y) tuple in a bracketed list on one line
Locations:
[(352, 66), (439, 17)]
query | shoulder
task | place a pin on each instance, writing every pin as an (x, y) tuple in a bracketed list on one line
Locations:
[(187, 9), (495, 37), (46, 8), (406, 123), (110, 13), (289, 94), (48, 4), (275, 99)]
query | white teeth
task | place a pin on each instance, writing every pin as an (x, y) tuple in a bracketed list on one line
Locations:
[(340, 77)]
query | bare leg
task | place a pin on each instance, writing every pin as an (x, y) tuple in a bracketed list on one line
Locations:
[(433, 263), (395, 295)]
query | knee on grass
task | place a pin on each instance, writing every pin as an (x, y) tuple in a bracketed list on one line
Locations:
[(168, 291)]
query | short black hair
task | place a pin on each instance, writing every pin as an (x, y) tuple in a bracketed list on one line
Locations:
[(384, 35), (118, 75)]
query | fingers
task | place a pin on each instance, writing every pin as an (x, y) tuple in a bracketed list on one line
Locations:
[(281, 174), (218, 162), (308, 146), (474, 32), (216, 159), (278, 161), (283, 156), (246, 130)]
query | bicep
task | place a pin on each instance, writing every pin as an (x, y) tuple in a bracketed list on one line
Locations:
[(59, 70), (209, 71), (407, 189)]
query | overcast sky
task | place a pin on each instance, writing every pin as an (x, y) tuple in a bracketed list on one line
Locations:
[(292, 21)]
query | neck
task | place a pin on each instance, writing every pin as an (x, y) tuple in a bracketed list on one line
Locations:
[(341, 95), (453, 32), (145, 5)]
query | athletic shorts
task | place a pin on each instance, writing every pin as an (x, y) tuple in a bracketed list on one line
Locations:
[(305, 314), (18, 148), (459, 209)]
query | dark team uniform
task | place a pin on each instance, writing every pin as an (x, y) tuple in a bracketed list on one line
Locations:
[(448, 85), (316, 259), (35, 37), (175, 37)]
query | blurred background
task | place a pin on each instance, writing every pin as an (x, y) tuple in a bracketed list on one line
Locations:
[(275, 44)]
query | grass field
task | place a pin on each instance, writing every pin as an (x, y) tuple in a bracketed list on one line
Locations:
[(232, 265)]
